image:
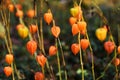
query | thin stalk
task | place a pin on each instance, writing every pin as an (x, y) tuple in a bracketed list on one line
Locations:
[(2, 17), (58, 60), (49, 70), (53, 77), (81, 61), (6, 42), (63, 58), (100, 12), (41, 27), (9, 42), (38, 35), (93, 72), (5, 18), (43, 71), (9, 39), (80, 3), (17, 73), (117, 74), (13, 76), (41, 35)]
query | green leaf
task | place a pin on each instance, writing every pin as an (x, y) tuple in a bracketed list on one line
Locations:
[(79, 71), (57, 74)]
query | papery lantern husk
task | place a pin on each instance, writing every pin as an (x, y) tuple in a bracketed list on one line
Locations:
[(39, 76), (101, 34), (84, 43), (8, 71), (31, 46), (109, 46), (41, 59), (23, 32), (75, 48)]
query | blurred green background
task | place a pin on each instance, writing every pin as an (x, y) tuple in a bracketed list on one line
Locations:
[(26, 64)]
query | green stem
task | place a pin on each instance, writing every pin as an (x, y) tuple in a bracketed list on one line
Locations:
[(17, 73), (13, 76), (116, 68), (41, 35), (41, 27), (81, 62), (80, 2), (63, 58), (99, 12), (43, 71), (58, 60), (116, 77), (6, 42), (93, 72)]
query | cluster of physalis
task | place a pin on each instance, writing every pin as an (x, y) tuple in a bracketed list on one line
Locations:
[(109, 45), (78, 26), (24, 32), (55, 30), (29, 31), (9, 59)]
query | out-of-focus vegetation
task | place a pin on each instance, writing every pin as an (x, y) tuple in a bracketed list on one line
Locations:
[(26, 64)]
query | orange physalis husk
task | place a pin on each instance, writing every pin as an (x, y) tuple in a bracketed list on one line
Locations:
[(84, 43), (48, 17), (11, 7), (23, 32), (109, 46), (7, 2), (79, 16), (8, 71), (33, 28), (31, 46), (82, 25), (52, 50), (41, 59), (118, 49), (72, 20), (31, 13), (116, 61), (9, 58), (39, 76), (75, 29), (19, 26), (75, 48), (19, 6), (55, 31), (19, 13)]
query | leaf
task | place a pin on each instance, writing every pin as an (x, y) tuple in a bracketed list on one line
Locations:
[(57, 74), (79, 71)]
